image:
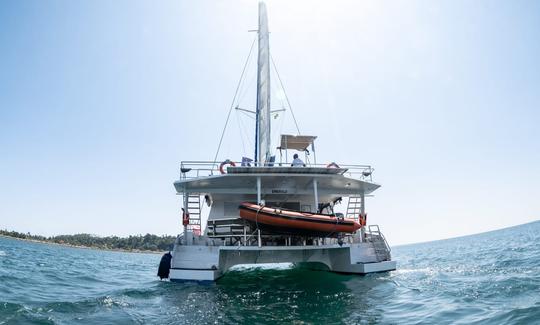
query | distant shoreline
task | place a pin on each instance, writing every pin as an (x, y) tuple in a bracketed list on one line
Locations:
[(84, 247)]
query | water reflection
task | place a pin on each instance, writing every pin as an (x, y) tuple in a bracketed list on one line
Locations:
[(283, 295)]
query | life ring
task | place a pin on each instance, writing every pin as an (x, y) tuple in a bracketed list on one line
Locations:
[(185, 217), (332, 165), (226, 162), (363, 219)]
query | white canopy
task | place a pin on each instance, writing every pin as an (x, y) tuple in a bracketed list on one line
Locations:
[(296, 142)]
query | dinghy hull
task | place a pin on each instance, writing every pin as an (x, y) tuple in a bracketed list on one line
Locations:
[(296, 222)]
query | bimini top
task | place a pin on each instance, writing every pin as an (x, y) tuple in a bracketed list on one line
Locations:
[(296, 142)]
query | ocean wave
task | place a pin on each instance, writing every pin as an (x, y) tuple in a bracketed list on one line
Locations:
[(12, 313), (262, 266), (465, 280)]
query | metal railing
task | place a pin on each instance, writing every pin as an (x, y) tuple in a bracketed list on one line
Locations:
[(374, 235), (195, 169)]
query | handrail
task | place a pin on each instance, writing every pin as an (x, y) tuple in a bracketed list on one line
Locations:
[(378, 233), (386, 243), (197, 168)]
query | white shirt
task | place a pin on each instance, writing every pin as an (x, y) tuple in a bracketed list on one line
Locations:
[(297, 162)]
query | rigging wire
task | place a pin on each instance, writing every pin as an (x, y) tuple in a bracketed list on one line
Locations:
[(234, 100), (282, 118), (244, 131), (244, 91), (285, 93), (280, 128), (241, 133)]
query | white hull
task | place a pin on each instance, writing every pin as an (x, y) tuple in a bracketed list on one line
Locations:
[(208, 263)]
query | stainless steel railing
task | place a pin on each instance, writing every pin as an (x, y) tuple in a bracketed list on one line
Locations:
[(195, 169), (374, 235)]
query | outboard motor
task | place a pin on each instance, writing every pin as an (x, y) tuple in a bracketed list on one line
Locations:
[(164, 266)]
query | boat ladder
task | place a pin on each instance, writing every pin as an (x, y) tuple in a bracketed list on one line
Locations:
[(194, 210), (354, 207), (380, 245)]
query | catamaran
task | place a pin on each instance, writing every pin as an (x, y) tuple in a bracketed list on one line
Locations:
[(267, 211)]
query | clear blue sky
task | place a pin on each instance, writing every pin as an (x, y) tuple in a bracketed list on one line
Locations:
[(101, 100)]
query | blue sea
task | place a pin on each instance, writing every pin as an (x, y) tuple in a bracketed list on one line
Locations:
[(490, 278)]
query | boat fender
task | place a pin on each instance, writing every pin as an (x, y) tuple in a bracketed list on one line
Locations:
[(185, 217), (332, 165), (164, 266), (226, 162), (208, 199), (363, 219)]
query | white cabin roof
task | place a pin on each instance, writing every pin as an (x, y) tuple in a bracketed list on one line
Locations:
[(288, 180)]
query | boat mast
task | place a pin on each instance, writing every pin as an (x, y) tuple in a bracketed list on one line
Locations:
[(262, 124)]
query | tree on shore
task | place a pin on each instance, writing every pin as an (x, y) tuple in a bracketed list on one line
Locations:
[(147, 242)]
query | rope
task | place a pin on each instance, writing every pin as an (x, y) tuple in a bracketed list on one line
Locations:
[(233, 101), (257, 216), (257, 229)]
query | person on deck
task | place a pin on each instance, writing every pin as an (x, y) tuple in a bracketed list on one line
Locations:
[(297, 162)]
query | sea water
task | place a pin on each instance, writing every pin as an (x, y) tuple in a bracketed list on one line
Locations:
[(490, 278)]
